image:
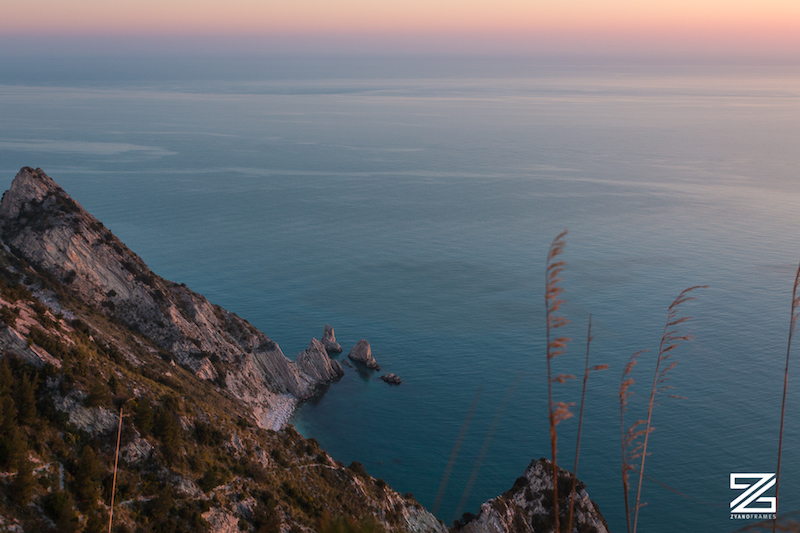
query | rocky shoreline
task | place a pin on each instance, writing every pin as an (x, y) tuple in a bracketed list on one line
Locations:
[(203, 383), (277, 418)]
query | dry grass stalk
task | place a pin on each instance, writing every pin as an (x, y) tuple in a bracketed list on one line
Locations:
[(792, 323), (555, 347), (586, 371), (630, 436), (670, 339)]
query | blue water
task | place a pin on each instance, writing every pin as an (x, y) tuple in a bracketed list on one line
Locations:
[(411, 203)]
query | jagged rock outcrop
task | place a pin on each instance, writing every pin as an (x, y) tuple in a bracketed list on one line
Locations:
[(221, 520), (329, 340), (137, 450), (415, 518), (89, 419), (528, 506), (43, 224), (362, 352), (392, 379), (11, 341), (314, 362)]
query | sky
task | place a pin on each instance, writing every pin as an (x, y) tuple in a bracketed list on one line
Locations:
[(734, 27)]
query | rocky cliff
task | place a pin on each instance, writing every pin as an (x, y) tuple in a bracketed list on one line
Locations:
[(88, 332), (45, 226), (528, 506), (315, 363)]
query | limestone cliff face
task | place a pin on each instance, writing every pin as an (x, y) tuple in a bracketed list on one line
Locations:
[(314, 362), (528, 506), (40, 222), (11, 341)]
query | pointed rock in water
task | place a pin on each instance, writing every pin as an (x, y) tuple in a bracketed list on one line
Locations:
[(362, 352), (329, 340), (392, 379), (314, 362), (526, 508)]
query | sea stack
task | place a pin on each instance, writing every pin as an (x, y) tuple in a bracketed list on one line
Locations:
[(362, 352), (329, 340)]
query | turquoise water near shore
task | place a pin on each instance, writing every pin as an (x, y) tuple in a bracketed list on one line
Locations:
[(411, 203)]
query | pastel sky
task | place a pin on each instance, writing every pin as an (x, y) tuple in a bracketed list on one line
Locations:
[(741, 26)]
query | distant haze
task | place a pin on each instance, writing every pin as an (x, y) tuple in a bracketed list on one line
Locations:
[(734, 28)]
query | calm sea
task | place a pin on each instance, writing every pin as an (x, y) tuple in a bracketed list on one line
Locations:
[(412, 202)]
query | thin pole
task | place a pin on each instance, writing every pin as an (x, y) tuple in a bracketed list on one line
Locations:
[(114, 482)]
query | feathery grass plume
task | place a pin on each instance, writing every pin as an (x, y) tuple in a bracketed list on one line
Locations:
[(670, 340), (580, 423), (792, 323), (629, 436), (555, 347)]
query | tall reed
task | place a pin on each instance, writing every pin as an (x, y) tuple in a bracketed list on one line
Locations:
[(792, 323), (629, 437), (580, 424), (670, 339), (555, 347)]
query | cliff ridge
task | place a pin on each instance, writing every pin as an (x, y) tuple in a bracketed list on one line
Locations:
[(40, 222)]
